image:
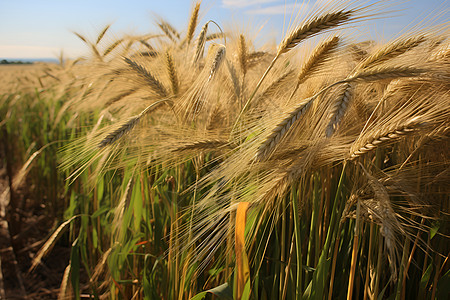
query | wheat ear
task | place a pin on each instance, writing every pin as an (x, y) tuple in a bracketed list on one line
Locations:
[(243, 54), (200, 43), (282, 128), (81, 37), (384, 73), (154, 83), (383, 136), (121, 96), (254, 58), (130, 124), (234, 79), (379, 73), (316, 60), (102, 33), (168, 30), (214, 36), (50, 243), (201, 145), (390, 51), (271, 89), (192, 23), (112, 47), (313, 27), (172, 73), (339, 108), (218, 52)]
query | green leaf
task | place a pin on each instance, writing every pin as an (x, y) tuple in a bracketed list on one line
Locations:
[(424, 281), (100, 189), (94, 237), (247, 291), (223, 291), (434, 229), (100, 211)]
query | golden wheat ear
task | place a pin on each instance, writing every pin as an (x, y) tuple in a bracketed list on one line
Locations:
[(50, 243), (343, 100), (314, 26), (130, 124), (277, 133), (102, 34), (216, 55), (193, 21), (321, 54), (168, 30), (391, 51), (243, 54), (111, 47), (172, 73), (154, 83), (367, 143), (200, 44)]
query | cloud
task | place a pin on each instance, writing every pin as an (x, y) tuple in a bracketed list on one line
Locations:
[(244, 3), (278, 9)]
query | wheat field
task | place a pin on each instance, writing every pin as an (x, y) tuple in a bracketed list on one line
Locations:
[(188, 163)]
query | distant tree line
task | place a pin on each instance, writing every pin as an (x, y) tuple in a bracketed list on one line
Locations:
[(14, 62)]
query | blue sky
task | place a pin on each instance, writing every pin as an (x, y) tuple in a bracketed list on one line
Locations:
[(41, 28)]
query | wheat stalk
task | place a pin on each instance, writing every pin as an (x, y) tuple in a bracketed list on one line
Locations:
[(234, 79), (282, 128), (379, 73), (81, 37), (149, 78), (95, 51), (119, 132), (361, 73), (254, 58)]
